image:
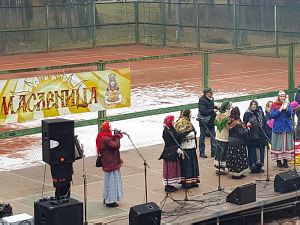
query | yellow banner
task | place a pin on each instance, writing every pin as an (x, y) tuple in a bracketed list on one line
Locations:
[(32, 98)]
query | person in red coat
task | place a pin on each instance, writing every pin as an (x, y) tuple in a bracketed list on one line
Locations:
[(108, 146)]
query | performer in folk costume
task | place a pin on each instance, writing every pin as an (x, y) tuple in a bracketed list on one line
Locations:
[(222, 135), (282, 132), (268, 119), (237, 159), (170, 155), (108, 145), (254, 118), (189, 165)]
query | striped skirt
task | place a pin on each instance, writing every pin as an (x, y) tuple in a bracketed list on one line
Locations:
[(112, 190), (171, 172), (282, 146), (189, 168)]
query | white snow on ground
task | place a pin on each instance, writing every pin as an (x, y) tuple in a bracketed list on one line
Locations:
[(143, 131)]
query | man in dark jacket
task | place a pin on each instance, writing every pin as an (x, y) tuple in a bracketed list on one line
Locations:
[(206, 116)]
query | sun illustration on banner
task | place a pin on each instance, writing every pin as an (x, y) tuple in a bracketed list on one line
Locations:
[(32, 98)]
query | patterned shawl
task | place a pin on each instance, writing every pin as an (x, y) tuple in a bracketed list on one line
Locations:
[(184, 125)]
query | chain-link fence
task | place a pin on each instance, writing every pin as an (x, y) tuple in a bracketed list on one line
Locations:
[(185, 24)]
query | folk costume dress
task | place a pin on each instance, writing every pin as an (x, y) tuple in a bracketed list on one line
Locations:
[(171, 163), (108, 146), (282, 132), (237, 159), (222, 135), (189, 166), (257, 139)]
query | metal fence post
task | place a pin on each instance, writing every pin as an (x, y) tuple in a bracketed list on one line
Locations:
[(291, 79), (275, 31), (101, 113), (198, 25), (205, 69), (94, 24), (47, 29), (163, 23), (234, 38), (137, 22)]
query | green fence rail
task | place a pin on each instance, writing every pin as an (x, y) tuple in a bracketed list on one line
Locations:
[(205, 78)]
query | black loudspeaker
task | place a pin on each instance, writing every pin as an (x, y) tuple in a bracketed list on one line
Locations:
[(243, 194), (58, 141), (287, 181), (49, 212), (145, 214)]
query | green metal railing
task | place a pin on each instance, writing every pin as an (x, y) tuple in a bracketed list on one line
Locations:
[(101, 65)]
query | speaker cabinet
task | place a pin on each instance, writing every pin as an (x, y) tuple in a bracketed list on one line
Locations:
[(58, 140), (49, 212), (145, 214), (243, 194), (287, 181)]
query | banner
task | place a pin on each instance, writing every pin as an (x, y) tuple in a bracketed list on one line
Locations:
[(32, 98)]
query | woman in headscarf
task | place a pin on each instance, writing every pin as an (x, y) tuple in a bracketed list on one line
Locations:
[(282, 132), (269, 120), (171, 165), (108, 146), (237, 159), (254, 118), (222, 134), (189, 164)]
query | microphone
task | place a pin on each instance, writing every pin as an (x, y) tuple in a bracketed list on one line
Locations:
[(119, 131)]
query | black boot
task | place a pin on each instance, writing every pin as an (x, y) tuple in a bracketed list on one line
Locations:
[(285, 163), (279, 164), (169, 188)]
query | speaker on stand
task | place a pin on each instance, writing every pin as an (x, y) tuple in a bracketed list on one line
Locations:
[(58, 141)]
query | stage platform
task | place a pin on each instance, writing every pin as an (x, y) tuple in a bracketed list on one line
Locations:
[(22, 187)]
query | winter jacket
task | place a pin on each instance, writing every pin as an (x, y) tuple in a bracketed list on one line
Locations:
[(206, 108), (110, 154), (221, 121), (282, 120), (237, 134), (170, 149)]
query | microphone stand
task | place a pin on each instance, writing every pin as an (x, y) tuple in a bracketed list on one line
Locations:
[(268, 149), (145, 164), (294, 137), (220, 189), (84, 189)]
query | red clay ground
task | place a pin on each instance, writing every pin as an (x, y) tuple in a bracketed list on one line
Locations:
[(229, 72)]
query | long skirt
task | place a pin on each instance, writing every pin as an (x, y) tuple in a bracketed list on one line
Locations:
[(221, 155), (112, 190), (237, 160), (282, 146), (189, 168), (171, 172)]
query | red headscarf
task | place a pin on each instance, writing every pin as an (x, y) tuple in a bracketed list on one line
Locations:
[(168, 121), (104, 131)]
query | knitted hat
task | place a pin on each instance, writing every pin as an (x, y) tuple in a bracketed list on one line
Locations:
[(206, 90), (168, 121), (281, 92), (225, 104)]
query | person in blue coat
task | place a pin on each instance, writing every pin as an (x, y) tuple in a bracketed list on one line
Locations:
[(282, 131)]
